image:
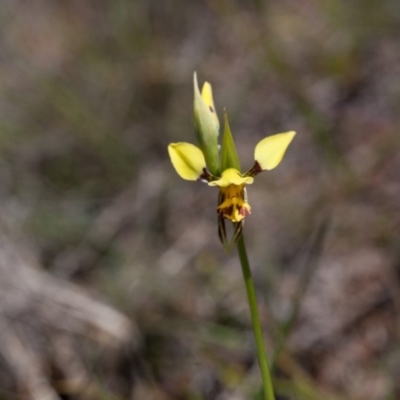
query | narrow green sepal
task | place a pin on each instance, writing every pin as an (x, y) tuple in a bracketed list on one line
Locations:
[(222, 233), (207, 129), (229, 245), (229, 156)]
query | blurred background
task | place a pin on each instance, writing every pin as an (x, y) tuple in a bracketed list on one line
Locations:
[(113, 282)]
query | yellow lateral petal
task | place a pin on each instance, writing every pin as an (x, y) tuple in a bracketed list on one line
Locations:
[(187, 159), (232, 176), (270, 151)]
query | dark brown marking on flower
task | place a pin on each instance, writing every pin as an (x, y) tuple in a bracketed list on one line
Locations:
[(228, 210), (255, 169), (205, 176), (211, 109)]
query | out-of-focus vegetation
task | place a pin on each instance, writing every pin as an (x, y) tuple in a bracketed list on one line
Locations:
[(91, 93)]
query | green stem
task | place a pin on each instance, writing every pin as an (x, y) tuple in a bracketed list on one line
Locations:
[(255, 319)]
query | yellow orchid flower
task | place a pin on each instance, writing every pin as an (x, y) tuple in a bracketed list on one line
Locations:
[(190, 163)]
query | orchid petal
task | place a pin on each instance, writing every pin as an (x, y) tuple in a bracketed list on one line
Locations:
[(232, 176), (188, 160), (270, 151)]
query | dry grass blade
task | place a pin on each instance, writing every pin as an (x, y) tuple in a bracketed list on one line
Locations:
[(39, 313)]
